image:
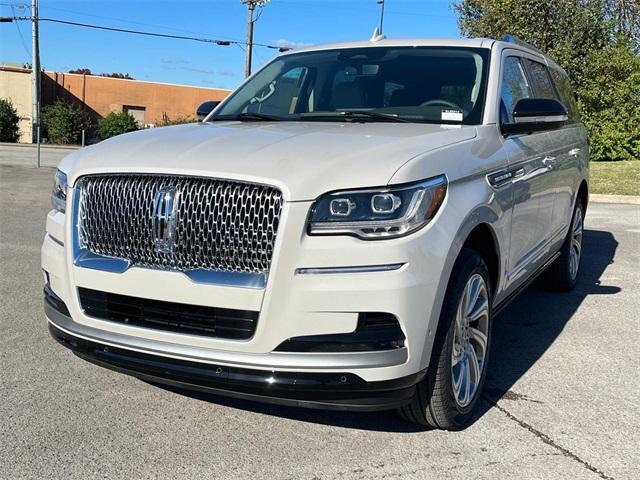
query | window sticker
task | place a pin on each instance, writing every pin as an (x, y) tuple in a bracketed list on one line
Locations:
[(451, 115)]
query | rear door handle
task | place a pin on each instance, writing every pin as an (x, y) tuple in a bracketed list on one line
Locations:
[(574, 152), (549, 162)]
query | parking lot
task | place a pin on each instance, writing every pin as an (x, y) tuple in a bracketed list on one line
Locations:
[(563, 399)]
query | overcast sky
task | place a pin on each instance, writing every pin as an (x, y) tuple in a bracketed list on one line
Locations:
[(290, 22)]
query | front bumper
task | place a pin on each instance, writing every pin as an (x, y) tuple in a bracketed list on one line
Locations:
[(300, 299), (328, 390)]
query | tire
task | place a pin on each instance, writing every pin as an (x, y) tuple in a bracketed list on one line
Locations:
[(562, 275), (438, 402)]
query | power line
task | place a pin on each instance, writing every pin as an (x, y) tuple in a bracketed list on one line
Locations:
[(151, 34), (131, 22), (24, 44)]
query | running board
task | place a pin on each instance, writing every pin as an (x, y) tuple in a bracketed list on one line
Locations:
[(498, 309)]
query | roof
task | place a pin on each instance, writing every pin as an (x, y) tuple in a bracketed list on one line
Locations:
[(11, 68), (424, 42), (402, 42)]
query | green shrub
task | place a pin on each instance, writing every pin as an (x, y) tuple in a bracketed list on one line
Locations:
[(116, 124), (610, 103), (9, 130), (63, 123), (165, 121)]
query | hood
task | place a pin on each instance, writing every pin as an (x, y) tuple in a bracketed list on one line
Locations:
[(303, 159)]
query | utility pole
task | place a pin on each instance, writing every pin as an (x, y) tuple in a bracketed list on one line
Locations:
[(381, 3), (251, 7), (35, 78)]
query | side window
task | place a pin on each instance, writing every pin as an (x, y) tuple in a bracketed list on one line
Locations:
[(514, 88), (542, 85), (565, 89)]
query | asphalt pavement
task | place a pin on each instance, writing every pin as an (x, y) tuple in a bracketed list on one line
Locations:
[(562, 401), (27, 154)]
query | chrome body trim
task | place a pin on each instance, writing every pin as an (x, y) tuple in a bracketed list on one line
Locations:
[(358, 269), (265, 361), (541, 119)]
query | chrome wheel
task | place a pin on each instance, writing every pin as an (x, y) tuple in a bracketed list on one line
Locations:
[(470, 340), (576, 244)]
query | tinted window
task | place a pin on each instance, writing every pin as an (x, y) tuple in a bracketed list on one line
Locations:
[(514, 88), (419, 84), (567, 96), (541, 81)]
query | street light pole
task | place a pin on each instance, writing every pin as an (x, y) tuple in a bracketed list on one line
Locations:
[(251, 7)]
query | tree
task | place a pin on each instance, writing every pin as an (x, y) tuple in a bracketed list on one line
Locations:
[(626, 17), (63, 123), (567, 30), (9, 120), (81, 71), (595, 41), (166, 121), (125, 76), (87, 71), (116, 124), (610, 102)]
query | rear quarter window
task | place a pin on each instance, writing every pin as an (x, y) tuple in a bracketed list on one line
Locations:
[(567, 96), (541, 81)]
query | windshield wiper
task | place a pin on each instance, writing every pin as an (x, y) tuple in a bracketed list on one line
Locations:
[(354, 114), (247, 117)]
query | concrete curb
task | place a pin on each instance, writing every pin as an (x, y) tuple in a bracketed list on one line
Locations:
[(627, 199)]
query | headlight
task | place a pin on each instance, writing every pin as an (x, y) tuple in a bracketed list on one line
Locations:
[(378, 213), (59, 193)]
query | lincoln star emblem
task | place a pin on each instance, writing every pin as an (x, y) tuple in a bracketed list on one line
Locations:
[(165, 213)]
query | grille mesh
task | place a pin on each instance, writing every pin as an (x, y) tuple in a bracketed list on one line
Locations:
[(221, 225), (169, 316)]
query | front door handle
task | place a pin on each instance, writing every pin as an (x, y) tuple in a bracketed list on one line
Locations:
[(549, 162)]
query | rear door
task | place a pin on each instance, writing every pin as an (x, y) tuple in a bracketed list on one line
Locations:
[(532, 189), (557, 159), (572, 154)]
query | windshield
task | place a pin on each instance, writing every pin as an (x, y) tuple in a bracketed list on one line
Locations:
[(416, 84)]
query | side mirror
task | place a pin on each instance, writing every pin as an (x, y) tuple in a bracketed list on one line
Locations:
[(206, 108), (535, 115)]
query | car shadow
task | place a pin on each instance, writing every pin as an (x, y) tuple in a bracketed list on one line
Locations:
[(527, 328), (521, 335)]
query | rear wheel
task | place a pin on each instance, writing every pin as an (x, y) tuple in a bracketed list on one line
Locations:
[(447, 396), (562, 276)]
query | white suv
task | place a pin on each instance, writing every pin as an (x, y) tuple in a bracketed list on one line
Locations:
[(340, 232)]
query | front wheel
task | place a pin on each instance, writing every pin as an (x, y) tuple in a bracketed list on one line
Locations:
[(447, 396)]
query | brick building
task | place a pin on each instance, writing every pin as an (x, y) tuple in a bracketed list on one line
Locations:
[(148, 102)]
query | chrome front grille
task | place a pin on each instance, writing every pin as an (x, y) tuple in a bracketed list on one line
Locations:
[(220, 225)]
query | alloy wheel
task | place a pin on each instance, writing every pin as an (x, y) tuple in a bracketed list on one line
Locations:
[(576, 244), (470, 340)]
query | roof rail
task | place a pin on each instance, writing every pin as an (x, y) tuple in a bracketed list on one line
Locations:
[(511, 39)]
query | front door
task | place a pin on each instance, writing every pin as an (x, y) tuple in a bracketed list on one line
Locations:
[(530, 160)]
